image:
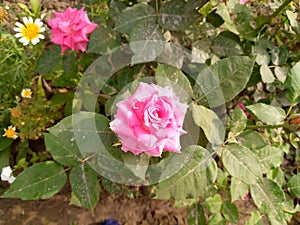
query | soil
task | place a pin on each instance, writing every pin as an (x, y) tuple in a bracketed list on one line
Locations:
[(141, 210), (57, 211)]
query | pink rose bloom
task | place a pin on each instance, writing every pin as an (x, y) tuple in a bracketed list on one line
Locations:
[(70, 29), (243, 1), (150, 121), (242, 107)]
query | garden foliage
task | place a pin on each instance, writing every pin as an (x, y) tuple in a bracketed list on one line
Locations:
[(235, 64)]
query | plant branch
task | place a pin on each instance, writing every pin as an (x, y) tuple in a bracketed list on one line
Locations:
[(253, 127), (274, 14)]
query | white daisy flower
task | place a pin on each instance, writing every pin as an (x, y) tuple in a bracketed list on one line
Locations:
[(29, 31), (6, 174), (10, 132), (26, 93)]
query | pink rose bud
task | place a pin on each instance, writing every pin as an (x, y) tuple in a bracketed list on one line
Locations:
[(70, 29), (150, 121), (242, 107), (245, 197), (243, 1)]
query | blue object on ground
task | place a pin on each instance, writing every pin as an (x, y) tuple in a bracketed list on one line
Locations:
[(111, 222)]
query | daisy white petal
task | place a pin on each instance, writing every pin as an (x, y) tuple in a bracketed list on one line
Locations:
[(24, 40), (18, 24), (41, 36), (25, 20), (30, 20), (35, 41), (18, 35), (17, 29)]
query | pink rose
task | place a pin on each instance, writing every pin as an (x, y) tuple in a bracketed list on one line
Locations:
[(243, 1), (150, 121), (70, 29)]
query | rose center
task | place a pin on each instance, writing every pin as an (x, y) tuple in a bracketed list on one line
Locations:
[(30, 31)]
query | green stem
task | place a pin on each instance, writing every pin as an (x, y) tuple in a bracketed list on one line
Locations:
[(274, 14), (253, 127), (289, 110)]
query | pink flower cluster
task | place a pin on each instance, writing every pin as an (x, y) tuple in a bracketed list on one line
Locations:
[(70, 29), (150, 121)]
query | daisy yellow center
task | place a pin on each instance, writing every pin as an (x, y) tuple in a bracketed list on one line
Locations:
[(10, 133), (30, 31), (26, 93)]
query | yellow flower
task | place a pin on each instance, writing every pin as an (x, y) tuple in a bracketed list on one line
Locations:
[(3, 15), (30, 31), (26, 93), (10, 132)]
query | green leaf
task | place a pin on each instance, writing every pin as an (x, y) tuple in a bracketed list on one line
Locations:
[(292, 16), (48, 61), (138, 164), (62, 145), (279, 55), (111, 186), (281, 73), (5, 143), (268, 114), (225, 79), (262, 55), (269, 197), (145, 42), (224, 46), (251, 139), (25, 8), (35, 6), (103, 40), (174, 78), (177, 15), (238, 121), (115, 9), (241, 163), (277, 175), (238, 189), (86, 136), (216, 219), (146, 30), (133, 15), (210, 123), (196, 214), (255, 219), (85, 185), (294, 185), (230, 212), (215, 19), (69, 62), (292, 84), (195, 179), (270, 157), (40, 181), (214, 203), (266, 74), (4, 158)]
